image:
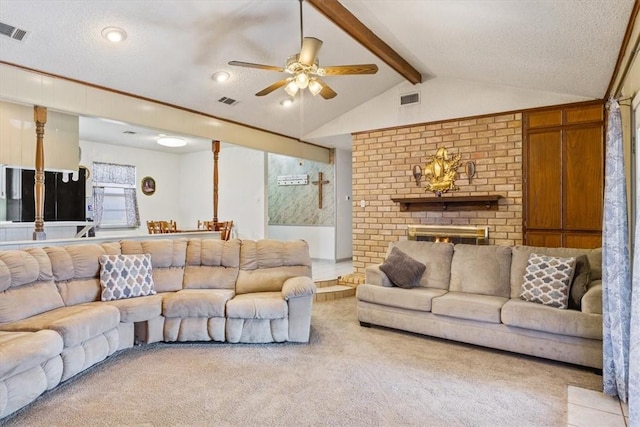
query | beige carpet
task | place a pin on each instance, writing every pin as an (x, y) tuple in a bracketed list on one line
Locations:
[(346, 376)]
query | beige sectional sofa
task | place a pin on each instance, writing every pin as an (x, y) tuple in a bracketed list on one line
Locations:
[(54, 324), (472, 293)]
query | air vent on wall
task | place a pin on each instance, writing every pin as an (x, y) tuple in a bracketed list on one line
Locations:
[(410, 98), (12, 32), (228, 101)]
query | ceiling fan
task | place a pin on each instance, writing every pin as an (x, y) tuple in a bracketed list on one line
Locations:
[(305, 71)]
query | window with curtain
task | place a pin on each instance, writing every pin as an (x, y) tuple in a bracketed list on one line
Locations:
[(114, 196)]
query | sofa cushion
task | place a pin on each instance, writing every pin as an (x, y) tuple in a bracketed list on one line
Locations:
[(538, 317), (125, 276), (435, 256), (78, 261), (482, 308), (139, 309), (481, 269), (168, 257), (196, 303), (28, 300), (266, 264), (269, 253), (78, 291), (22, 267), (547, 280), (412, 299), (164, 252), (76, 324), (261, 305), (212, 264), (402, 269), (20, 351), (580, 282), (26, 284), (213, 252), (520, 257)]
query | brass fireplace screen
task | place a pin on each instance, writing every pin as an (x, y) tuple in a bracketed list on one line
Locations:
[(449, 233)]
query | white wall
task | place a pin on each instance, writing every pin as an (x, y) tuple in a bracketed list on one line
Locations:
[(240, 189), (321, 239), (163, 167), (196, 197), (440, 99), (344, 205)]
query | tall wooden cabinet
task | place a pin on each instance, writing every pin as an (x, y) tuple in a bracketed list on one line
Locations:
[(563, 168)]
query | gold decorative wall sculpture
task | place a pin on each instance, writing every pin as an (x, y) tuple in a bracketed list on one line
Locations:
[(441, 171)]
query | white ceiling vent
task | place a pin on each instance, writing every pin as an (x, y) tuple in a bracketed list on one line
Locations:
[(13, 32), (410, 98), (228, 101)]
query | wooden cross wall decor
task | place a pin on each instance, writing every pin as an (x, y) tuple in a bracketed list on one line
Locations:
[(320, 182)]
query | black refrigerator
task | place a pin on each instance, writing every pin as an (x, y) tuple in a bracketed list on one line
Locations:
[(63, 201)]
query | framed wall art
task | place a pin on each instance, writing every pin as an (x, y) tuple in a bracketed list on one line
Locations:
[(148, 186)]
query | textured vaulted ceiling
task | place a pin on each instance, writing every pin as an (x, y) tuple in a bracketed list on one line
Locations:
[(173, 48)]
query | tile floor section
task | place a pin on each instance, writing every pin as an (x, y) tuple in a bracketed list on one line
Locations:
[(590, 408), (585, 408), (328, 270)]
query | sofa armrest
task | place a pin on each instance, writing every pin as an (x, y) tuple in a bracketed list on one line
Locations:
[(296, 287), (374, 276), (592, 300)]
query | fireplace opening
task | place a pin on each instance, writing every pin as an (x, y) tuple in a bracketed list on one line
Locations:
[(449, 233)]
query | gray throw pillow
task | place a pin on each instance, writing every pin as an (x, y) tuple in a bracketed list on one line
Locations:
[(403, 270), (581, 278), (547, 280)]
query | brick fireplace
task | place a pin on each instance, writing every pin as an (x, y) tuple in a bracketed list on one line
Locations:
[(383, 161)]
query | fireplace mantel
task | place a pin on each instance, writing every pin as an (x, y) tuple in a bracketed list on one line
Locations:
[(451, 203)]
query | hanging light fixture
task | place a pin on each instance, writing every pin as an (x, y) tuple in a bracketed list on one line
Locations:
[(315, 87), (291, 88)]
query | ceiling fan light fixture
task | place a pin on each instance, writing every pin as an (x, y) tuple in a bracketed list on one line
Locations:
[(302, 80), (171, 141), (315, 87), (291, 88)]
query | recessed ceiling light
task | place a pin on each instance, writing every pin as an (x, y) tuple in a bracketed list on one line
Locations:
[(114, 34), (286, 102), (172, 141), (220, 76)]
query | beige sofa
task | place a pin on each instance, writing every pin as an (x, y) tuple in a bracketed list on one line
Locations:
[(54, 325), (471, 294)]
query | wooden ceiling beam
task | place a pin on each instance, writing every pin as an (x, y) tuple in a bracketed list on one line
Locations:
[(340, 15)]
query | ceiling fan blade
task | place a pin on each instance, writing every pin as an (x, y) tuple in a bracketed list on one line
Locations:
[(341, 70), (276, 85), (326, 92), (259, 66), (309, 50)]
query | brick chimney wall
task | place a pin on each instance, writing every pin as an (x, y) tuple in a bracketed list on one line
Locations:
[(383, 163)]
